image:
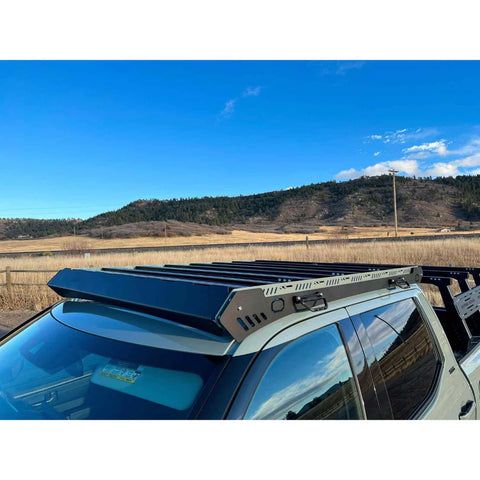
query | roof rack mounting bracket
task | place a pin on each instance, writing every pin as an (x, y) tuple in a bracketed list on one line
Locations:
[(398, 282), (315, 298)]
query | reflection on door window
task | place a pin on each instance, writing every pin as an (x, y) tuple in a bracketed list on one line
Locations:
[(406, 354), (310, 378)]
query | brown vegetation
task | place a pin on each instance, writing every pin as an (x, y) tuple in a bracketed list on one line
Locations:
[(458, 252), (236, 236), (169, 228)]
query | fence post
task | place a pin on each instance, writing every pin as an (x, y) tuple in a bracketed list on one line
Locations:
[(8, 279)]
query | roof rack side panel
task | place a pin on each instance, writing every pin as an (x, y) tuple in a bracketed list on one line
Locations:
[(248, 309)]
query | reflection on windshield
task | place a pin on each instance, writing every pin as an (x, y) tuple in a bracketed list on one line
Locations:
[(51, 371), (309, 379)]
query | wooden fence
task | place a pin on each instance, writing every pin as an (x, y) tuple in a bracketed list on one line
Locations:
[(9, 277)]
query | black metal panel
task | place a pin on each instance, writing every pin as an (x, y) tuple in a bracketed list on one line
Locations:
[(192, 304)]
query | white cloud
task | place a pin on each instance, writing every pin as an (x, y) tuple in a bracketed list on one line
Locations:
[(249, 91), (390, 137), (410, 167), (403, 135), (442, 169), (230, 105), (344, 67), (467, 162), (423, 159), (229, 108), (341, 68), (463, 166), (439, 147), (376, 154), (470, 148), (349, 174), (395, 137)]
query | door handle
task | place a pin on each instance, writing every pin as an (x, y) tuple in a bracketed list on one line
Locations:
[(465, 410)]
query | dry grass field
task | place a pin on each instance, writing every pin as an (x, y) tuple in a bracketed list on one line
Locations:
[(458, 252), (237, 236)]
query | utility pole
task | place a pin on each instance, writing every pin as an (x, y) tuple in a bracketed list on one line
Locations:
[(393, 172)]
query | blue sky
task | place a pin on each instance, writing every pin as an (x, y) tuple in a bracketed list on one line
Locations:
[(80, 138)]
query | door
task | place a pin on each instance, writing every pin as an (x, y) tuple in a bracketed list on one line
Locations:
[(415, 372), (470, 364)]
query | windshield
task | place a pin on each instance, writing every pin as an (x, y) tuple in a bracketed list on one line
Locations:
[(51, 371)]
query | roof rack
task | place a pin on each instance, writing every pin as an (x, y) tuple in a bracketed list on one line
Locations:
[(461, 318), (236, 298)]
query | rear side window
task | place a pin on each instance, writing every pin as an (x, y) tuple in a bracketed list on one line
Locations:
[(408, 358), (310, 378)]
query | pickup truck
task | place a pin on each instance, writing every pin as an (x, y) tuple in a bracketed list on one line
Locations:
[(249, 340)]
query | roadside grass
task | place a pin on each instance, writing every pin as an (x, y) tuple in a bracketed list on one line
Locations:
[(457, 252)]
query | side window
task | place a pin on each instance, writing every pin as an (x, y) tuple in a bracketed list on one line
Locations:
[(405, 352), (310, 378)]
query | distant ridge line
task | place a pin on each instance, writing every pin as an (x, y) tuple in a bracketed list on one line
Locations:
[(286, 243)]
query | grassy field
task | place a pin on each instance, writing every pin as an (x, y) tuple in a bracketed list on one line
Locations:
[(458, 252), (237, 236)]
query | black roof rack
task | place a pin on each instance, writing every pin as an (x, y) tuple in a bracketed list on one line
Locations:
[(240, 297), (222, 297)]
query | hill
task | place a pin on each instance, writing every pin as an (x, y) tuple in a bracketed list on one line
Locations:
[(367, 201), (364, 201)]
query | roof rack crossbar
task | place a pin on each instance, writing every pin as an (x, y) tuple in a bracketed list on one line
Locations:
[(294, 269), (276, 272), (474, 271), (234, 274), (222, 280), (318, 271)]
